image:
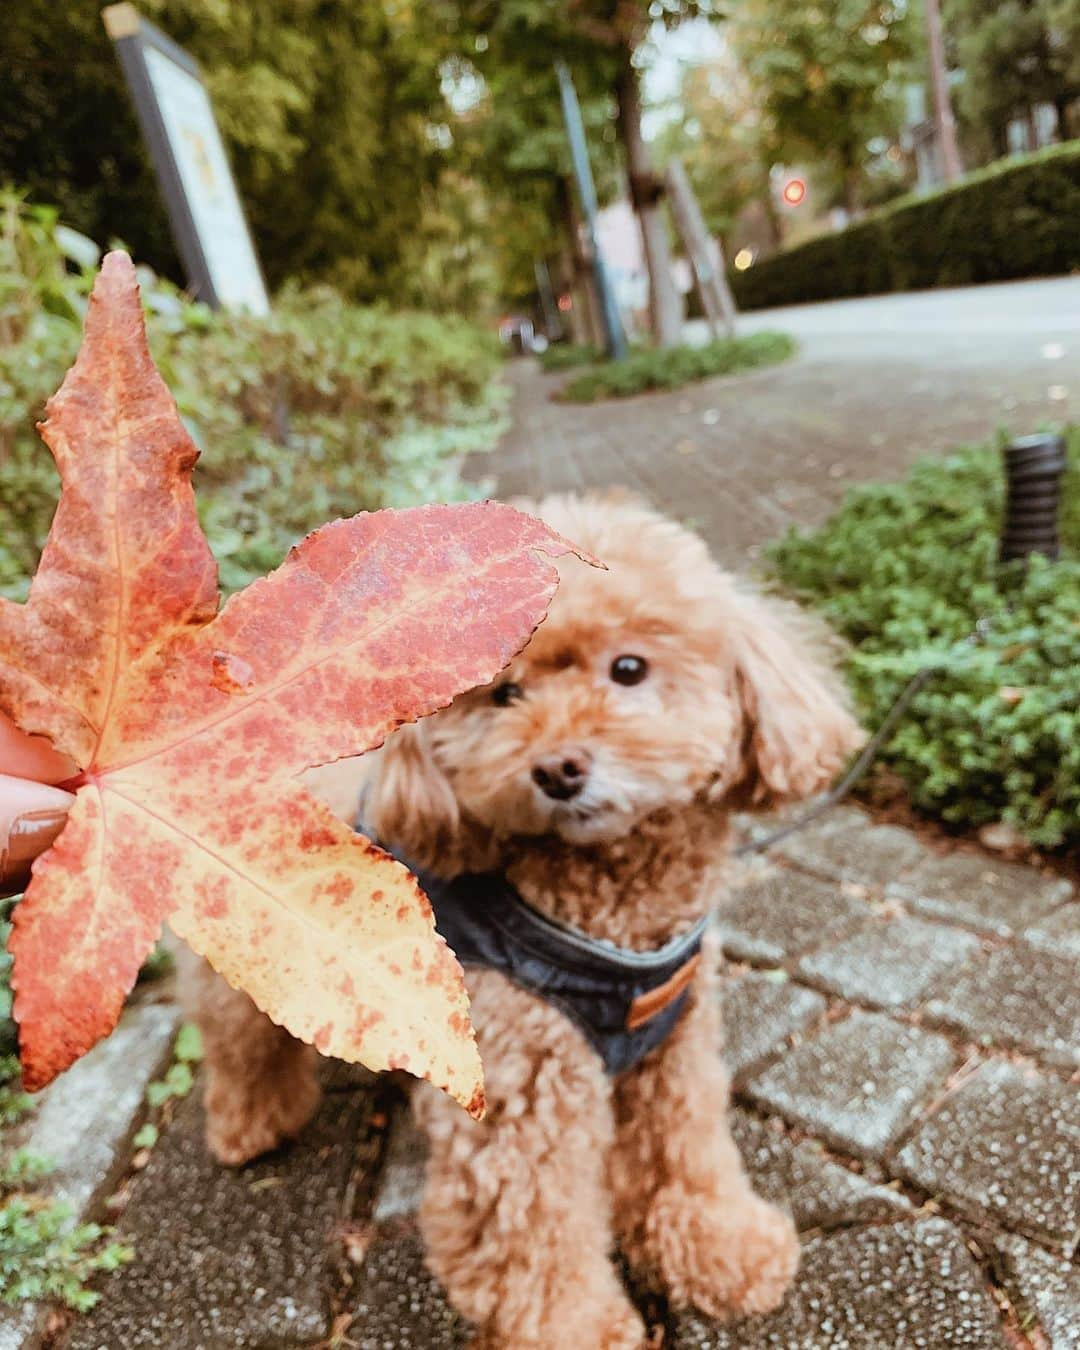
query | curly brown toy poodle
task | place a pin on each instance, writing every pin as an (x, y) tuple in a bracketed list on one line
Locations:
[(579, 808)]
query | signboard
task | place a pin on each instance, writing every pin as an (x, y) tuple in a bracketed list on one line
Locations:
[(193, 172)]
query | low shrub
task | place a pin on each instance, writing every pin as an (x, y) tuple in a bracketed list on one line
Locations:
[(904, 571), (671, 367), (321, 410), (1016, 218), (568, 356), (43, 1253)]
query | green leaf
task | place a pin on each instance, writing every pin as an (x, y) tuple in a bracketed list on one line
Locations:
[(189, 1046), (146, 1137)]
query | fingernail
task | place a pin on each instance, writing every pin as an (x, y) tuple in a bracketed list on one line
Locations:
[(29, 835)]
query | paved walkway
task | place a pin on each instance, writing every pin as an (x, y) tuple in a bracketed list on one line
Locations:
[(877, 383), (904, 1027), (904, 1030)]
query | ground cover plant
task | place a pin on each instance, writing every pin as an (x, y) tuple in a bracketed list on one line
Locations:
[(671, 367), (43, 1254), (562, 356), (321, 411), (905, 571)]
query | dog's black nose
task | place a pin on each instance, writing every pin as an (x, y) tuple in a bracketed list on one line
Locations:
[(562, 775)]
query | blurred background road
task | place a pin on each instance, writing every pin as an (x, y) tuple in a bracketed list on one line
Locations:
[(877, 382)]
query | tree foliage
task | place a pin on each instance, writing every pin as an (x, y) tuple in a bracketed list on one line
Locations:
[(727, 143), (1014, 54), (509, 134), (827, 77), (330, 109), (512, 46)]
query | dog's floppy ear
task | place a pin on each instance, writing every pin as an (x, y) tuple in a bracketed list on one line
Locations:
[(797, 730)]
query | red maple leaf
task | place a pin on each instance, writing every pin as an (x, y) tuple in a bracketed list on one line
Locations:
[(190, 728)]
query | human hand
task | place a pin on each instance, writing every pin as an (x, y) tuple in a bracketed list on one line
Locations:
[(32, 811)]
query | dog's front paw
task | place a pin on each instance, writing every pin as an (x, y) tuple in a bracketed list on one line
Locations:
[(730, 1260), (245, 1120)]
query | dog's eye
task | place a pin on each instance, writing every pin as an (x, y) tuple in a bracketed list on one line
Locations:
[(506, 693), (629, 669)]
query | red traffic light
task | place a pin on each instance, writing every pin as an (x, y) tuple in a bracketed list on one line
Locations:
[(794, 191)]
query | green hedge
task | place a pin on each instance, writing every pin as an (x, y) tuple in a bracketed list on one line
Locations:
[(322, 410), (904, 571), (1017, 218), (568, 356), (649, 368)]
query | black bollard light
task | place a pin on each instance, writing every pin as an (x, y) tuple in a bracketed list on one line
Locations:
[(1033, 469)]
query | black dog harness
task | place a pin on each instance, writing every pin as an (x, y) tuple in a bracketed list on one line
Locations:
[(625, 1002)]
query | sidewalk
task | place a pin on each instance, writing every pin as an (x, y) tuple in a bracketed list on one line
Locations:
[(904, 1029), (902, 1055), (745, 457), (903, 1026)]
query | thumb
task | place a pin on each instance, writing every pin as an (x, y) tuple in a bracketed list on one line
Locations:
[(31, 817)]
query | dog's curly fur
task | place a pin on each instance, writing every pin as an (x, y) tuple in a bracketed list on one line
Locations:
[(521, 1211)]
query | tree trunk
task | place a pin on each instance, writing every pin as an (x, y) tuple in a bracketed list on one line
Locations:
[(1032, 127), (646, 193), (586, 319), (1000, 135), (773, 219), (944, 121), (577, 318), (852, 204)]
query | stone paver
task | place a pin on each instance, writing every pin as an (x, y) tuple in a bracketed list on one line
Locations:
[(1005, 1147), (394, 1300), (859, 1084), (760, 1012), (396, 1303), (231, 1258), (1044, 1286), (401, 1178), (1020, 996), (982, 892), (854, 849), (818, 1192), (20, 1326), (889, 964), (1058, 932), (900, 1286), (785, 913)]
